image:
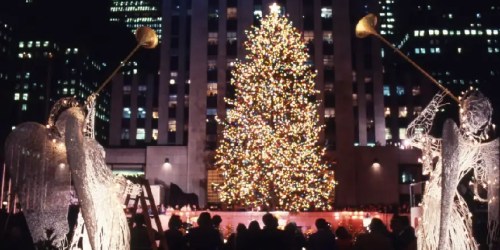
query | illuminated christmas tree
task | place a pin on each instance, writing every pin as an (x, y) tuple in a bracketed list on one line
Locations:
[(269, 154)]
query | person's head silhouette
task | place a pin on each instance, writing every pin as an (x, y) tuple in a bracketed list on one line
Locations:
[(204, 220), (175, 222), (270, 221), (139, 220), (321, 224)]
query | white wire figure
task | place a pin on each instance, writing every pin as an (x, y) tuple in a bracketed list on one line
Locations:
[(447, 221)]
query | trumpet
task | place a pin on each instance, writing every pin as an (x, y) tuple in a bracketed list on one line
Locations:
[(146, 38), (366, 27)]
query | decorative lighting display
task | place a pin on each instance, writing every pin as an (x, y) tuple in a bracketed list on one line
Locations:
[(446, 221), (269, 154)]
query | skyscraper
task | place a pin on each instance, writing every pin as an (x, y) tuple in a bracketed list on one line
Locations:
[(456, 43), (44, 73), (6, 73), (135, 14)]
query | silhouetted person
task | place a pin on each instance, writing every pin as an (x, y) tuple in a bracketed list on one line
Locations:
[(323, 238), (139, 238), (344, 239), (16, 235), (73, 211), (237, 240), (216, 221), (403, 235), (272, 238), (294, 238), (377, 239), (174, 237), (254, 235), (204, 237)]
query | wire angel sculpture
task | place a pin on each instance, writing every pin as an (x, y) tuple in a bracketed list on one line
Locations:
[(43, 160), (446, 222)]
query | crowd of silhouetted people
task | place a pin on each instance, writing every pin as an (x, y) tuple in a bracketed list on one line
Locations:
[(208, 236)]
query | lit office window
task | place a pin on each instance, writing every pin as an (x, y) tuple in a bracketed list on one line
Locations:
[(231, 37), (141, 134), (126, 113), (308, 36), (16, 96), (387, 112), (459, 50), (257, 13), (155, 114), (232, 12), (125, 134), (25, 96), (212, 89), (329, 112), (328, 61), (24, 107), (326, 12), (400, 90), (327, 36), (328, 87), (415, 90), (154, 134), (387, 90), (403, 112), (388, 134), (212, 64), (213, 37), (402, 133), (417, 110), (172, 102), (211, 111), (141, 113), (172, 125)]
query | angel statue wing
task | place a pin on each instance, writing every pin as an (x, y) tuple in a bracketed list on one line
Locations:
[(36, 157), (43, 160)]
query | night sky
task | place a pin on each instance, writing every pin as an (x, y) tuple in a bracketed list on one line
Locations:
[(82, 24)]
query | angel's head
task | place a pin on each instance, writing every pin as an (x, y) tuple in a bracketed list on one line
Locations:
[(475, 114)]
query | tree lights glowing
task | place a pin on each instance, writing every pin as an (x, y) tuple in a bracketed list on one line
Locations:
[(269, 155)]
